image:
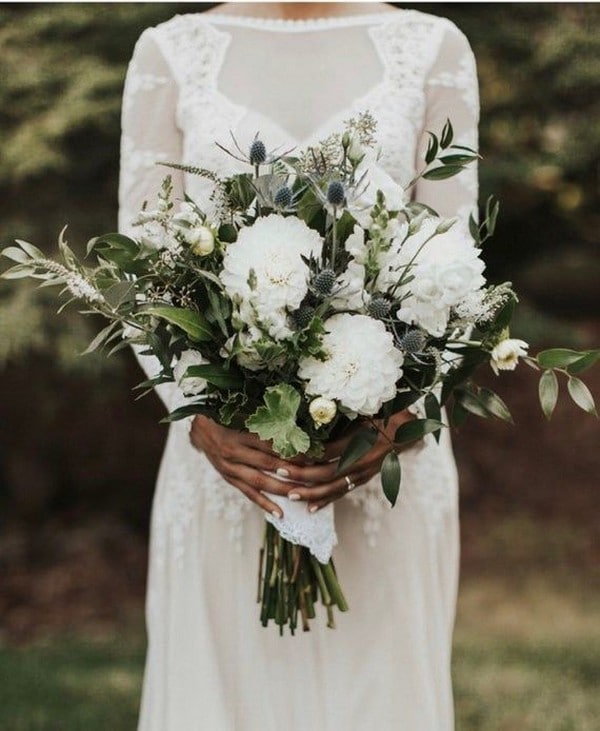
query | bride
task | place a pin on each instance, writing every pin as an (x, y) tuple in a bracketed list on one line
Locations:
[(294, 72)]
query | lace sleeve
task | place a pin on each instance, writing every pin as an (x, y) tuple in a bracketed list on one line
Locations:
[(451, 93), (148, 134)]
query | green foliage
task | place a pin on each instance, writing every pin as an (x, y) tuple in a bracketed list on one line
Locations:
[(276, 421)]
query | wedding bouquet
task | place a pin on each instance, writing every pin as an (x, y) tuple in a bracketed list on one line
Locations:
[(315, 300)]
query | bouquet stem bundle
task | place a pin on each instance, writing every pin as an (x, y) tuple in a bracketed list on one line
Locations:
[(291, 581)]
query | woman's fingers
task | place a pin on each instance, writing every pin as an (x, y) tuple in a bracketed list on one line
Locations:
[(255, 496)]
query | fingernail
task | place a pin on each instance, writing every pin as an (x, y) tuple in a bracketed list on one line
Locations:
[(293, 496), (282, 472), (277, 513), (313, 508)]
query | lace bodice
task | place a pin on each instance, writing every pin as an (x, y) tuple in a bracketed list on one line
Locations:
[(198, 76)]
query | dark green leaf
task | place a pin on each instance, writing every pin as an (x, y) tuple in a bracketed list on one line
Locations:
[(548, 392), (216, 374), (227, 233), (495, 405), (585, 362), (119, 293), (15, 254), (100, 338), (183, 411), (558, 357), (447, 135), (505, 314), (358, 446), (432, 148), (474, 229), (457, 159), (416, 429), (443, 172), (32, 250), (471, 402), (390, 477), (433, 411), (192, 323), (581, 395)]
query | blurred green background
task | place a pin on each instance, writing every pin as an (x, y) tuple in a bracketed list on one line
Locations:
[(78, 457)]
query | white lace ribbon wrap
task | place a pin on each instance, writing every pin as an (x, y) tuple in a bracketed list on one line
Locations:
[(315, 531)]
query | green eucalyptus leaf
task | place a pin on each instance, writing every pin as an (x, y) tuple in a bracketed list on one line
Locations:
[(216, 374), (495, 405), (100, 337), (416, 429), (32, 250), (14, 253), (581, 395), (191, 322), (20, 271), (182, 412), (433, 411), (457, 159), (558, 357), (119, 294), (447, 135), (432, 148), (443, 172), (590, 358), (361, 443), (390, 477), (548, 392), (471, 402)]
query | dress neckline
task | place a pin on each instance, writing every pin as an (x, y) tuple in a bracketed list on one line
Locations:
[(299, 25)]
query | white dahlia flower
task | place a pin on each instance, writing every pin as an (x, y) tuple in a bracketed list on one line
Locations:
[(362, 364), (264, 274)]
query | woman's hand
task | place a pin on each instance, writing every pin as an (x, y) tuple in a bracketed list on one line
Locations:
[(330, 486), (240, 458)]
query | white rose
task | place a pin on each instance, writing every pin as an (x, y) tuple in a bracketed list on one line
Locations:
[(322, 410), (190, 386), (506, 354), (200, 239)]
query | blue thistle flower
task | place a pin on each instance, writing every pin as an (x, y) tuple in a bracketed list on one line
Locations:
[(336, 193), (324, 281), (302, 316), (258, 152), (379, 308), (413, 342), (283, 197)]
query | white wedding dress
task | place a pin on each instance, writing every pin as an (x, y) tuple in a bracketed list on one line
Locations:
[(210, 665)]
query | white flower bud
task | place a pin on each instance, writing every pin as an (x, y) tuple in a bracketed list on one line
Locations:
[(192, 385), (506, 354), (355, 151), (445, 225), (200, 239), (322, 410)]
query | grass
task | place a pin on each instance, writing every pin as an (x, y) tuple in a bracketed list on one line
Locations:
[(69, 684), (527, 658)]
